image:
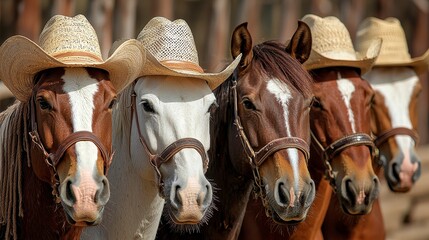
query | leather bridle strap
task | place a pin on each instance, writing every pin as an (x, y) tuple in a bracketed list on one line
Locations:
[(280, 144), (156, 160), (328, 153), (384, 136)]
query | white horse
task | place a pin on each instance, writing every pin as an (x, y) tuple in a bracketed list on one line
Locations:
[(396, 93), (168, 108)]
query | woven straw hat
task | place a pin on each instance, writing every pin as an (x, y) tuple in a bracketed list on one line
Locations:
[(65, 42), (171, 51), (394, 51), (332, 46)]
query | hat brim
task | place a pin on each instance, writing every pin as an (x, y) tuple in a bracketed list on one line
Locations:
[(364, 62), (23, 58), (153, 67), (420, 64)]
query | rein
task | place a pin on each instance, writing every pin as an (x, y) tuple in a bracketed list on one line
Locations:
[(328, 153), (52, 159), (156, 160), (256, 158)]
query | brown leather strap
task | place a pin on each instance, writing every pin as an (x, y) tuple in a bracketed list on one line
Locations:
[(279, 144), (384, 136), (356, 139), (78, 137)]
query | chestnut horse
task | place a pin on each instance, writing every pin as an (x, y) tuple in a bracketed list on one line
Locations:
[(341, 149), (394, 123), (55, 151), (259, 136)]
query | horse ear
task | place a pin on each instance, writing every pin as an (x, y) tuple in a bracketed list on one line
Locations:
[(241, 42), (299, 46)]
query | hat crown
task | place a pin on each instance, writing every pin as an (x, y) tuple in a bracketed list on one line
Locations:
[(394, 47), (66, 38), (169, 41), (330, 37)]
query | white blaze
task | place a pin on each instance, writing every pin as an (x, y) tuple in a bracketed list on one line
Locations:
[(346, 88), (81, 89), (283, 95)]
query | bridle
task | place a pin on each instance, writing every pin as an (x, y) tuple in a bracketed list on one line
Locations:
[(156, 160), (328, 153), (52, 159), (384, 136), (257, 158)]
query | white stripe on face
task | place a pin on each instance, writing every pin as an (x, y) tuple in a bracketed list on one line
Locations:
[(396, 85), (283, 95), (346, 88), (81, 89)]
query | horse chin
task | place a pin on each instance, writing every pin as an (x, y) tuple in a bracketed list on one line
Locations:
[(82, 222)]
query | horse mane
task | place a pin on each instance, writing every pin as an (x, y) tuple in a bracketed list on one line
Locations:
[(122, 119), (271, 59), (13, 152)]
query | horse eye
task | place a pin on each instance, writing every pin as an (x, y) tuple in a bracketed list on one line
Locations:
[(44, 105), (112, 103), (147, 106), (248, 104)]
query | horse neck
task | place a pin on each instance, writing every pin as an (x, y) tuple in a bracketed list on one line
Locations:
[(234, 190), (43, 218)]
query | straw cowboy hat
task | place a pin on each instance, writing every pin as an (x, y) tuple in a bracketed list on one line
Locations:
[(333, 47), (171, 51), (65, 42), (394, 51)]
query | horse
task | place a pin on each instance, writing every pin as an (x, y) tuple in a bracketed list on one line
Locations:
[(394, 124), (342, 155), (55, 152), (259, 136), (166, 116)]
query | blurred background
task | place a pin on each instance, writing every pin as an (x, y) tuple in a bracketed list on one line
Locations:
[(212, 22)]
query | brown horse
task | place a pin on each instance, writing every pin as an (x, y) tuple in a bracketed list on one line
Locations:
[(394, 122), (341, 150), (259, 135), (55, 151)]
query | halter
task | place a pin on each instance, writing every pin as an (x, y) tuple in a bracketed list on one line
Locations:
[(52, 159), (256, 158), (156, 160), (328, 153), (384, 136)]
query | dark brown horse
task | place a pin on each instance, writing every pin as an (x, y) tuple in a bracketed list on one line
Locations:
[(341, 149), (259, 135), (55, 151)]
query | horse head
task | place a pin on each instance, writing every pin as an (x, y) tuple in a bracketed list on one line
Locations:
[(340, 125), (271, 94), (71, 121), (394, 123), (175, 113)]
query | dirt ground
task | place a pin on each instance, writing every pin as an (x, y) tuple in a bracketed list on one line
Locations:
[(406, 216)]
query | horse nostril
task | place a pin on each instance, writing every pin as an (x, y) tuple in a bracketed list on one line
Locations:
[(103, 193), (207, 196), (69, 192), (395, 172), (350, 193), (282, 193)]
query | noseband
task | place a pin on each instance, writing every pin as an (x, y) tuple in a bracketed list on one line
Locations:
[(156, 160), (384, 137), (328, 153), (53, 159), (256, 158)]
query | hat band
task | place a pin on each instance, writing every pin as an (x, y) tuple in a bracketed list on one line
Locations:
[(77, 54), (182, 65)]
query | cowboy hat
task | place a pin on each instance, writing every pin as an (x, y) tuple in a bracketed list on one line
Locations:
[(394, 51), (332, 46), (171, 51), (65, 42)]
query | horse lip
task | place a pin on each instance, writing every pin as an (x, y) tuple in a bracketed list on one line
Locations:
[(176, 221), (277, 219), (72, 221)]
